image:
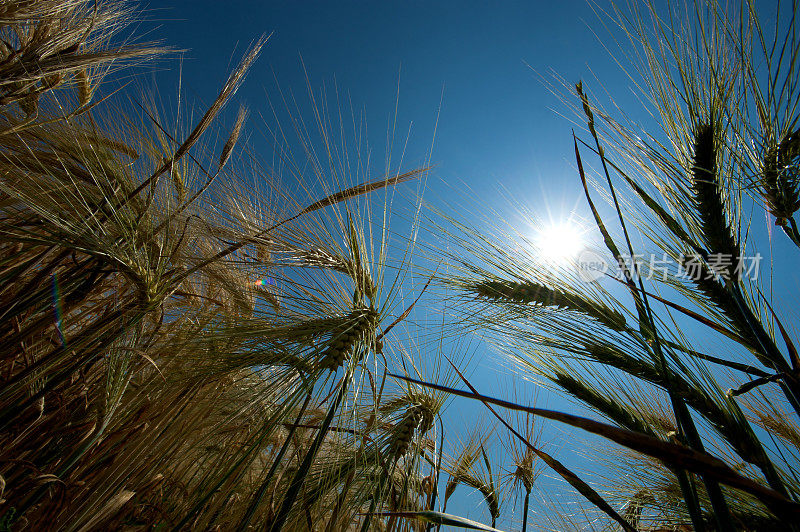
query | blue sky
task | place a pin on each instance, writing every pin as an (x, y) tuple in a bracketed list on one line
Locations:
[(497, 120), (481, 68)]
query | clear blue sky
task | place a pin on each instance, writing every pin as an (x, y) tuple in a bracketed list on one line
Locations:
[(496, 121), (482, 60)]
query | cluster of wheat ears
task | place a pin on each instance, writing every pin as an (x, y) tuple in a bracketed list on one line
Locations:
[(189, 343)]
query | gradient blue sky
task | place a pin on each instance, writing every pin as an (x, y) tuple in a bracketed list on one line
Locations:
[(481, 67), (496, 120)]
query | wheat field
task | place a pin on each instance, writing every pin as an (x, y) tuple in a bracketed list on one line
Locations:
[(196, 337)]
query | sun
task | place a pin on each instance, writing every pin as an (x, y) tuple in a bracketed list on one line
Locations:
[(560, 243)]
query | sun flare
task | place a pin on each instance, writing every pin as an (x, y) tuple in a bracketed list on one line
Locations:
[(560, 242)]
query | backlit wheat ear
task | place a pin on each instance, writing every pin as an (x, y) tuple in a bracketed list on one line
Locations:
[(464, 470), (85, 90), (417, 419), (634, 507), (403, 432), (363, 188), (715, 229), (523, 471), (360, 326), (780, 183), (227, 149), (532, 292), (462, 465), (525, 466), (178, 180)]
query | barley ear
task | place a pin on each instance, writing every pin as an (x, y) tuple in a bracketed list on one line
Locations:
[(535, 293), (363, 188), (780, 182), (716, 233), (227, 149), (85, 89)]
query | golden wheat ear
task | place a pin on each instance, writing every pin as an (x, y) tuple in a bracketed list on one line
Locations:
[(364, 188)]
